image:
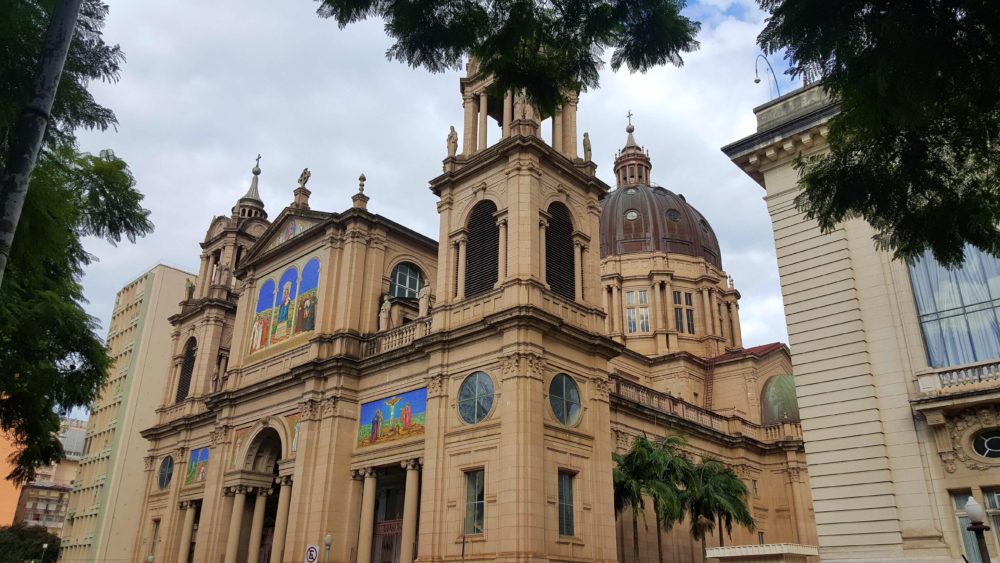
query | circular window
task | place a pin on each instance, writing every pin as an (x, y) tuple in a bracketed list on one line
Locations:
[(674, 215), (564, 396), (987, 444), (475, 397), (630, 191), (166, 472), (631, 214)]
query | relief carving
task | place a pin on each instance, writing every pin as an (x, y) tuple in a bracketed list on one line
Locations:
[(310, 409), (959, 430), (435, 385)]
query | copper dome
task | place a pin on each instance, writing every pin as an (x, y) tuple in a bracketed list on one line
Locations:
[(654, 219)]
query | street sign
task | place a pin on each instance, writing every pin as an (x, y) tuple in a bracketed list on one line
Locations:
[(312, 554)]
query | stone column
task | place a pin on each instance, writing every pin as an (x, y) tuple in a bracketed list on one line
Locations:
[(203, 275), (281, 519), (616, 306), (713, 311), (502, 266), (460, 294), (734, 313), (542, 225), (483, 115), (569, 126), (706, 307), (670, 324), (654, 303), (410, 505), (235, 522), (257, 526), (557, 131), (607, 309), (508, 112), (578, 270), (189, 509), (367, 518), (469, 132)]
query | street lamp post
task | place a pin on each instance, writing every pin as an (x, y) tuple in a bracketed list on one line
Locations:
[(327, 542), (976, 515), (45, 547)]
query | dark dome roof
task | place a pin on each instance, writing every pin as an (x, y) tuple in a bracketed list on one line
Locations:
[(648, 219)]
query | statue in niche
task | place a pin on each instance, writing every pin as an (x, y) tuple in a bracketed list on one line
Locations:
[(587, 152), (452, 141), (424, 301), (383, 315), (304, 177)]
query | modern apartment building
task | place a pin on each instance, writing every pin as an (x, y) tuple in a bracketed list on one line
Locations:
[(107, 493), (897, 367)]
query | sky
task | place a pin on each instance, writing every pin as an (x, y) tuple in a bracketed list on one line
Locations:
[(207, 86)]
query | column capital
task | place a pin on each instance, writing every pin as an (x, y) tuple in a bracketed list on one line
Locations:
[(283, 480), (411, 464), (264, 491)]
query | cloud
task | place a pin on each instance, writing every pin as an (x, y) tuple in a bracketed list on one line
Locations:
[(209, 85)]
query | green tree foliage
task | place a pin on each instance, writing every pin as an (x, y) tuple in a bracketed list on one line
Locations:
[(20, 543), (915, 150), (546, 47), (51, 359), (706, 493)]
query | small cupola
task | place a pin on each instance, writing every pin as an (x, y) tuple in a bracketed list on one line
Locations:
[(250, 205), (632, 163)]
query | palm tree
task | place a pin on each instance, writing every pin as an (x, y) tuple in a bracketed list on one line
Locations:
[(715, 495), (654, 470)]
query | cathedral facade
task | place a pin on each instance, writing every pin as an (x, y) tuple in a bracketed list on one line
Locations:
[(343, 383)]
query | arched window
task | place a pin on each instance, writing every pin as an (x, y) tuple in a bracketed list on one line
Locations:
[(187, 369), (405, 281), (560, 265), (482, 258), (778, 402)]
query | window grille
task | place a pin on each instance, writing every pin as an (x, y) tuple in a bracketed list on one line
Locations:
[(482, 255), (187, 369), (405, 281), (560, 263)]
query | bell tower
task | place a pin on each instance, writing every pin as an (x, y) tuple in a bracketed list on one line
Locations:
[(519, 313)]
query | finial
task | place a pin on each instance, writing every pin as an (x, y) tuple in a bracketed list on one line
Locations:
[(256, 166), (304, 177), (630, 127), (361, 183)]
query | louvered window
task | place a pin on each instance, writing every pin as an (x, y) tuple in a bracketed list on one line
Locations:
[(560, 267), (187, 368), (482, 255)]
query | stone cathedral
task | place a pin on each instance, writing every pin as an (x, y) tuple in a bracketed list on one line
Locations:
[(340, 379)]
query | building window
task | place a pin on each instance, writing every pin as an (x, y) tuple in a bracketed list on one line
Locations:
[(760, 538), (683, 310), (987, 443), (968, 538), (673, 215), (187, 369), (959, 309), (993, 509), (560, 263), (405, 281), (475, 397), (753, 487), (166, 472), (637, 311), (475, 504), (564, 397), (565, 503), (156, 536), (482, 256)]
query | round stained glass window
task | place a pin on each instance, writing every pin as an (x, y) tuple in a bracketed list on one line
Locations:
[(631, 214), (987, 443), (564, 396), (475, 397), (166, 472), (674, 215)]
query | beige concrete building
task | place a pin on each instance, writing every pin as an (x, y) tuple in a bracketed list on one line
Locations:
[(106, 501), (43, 501), (897, 368), (336, 375)]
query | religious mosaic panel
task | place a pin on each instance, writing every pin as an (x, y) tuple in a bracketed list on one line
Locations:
[(294, 426), (393, 418), (286, 307), (197, 466), (293, 227), (239, 441)]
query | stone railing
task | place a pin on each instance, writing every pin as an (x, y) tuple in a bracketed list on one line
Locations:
[(732, 425), (395, 338), (957, 379)]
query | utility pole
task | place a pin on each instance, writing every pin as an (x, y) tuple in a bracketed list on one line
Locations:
[(32, 123)]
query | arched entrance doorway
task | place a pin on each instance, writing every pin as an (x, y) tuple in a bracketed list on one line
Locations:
[(259, 515)]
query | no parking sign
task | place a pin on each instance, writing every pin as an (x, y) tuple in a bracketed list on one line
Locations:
[(312, 553)]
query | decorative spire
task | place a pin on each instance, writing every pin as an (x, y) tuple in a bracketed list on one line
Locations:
[(630, 129), (250, 205), (360, 199), (253, 193), (632, 164)]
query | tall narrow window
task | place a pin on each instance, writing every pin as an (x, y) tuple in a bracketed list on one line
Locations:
[(968, 538), (566, 503), (405, 281), (187, 369), (993, 509), (637, 311), (155, 538), (475, 503), (690, 319), (560, 263), (482, 255)]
